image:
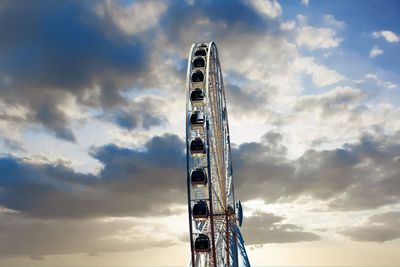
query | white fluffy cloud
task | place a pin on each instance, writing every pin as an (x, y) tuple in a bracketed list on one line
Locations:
[(305, 2), (375, 51), (320, 75), (330, 20), (314, 38), (288, 25), (389, 36), (269, 8), (379, 82)]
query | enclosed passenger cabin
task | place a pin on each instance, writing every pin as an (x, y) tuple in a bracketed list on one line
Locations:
[(197, 76), (200, 52), (197, 96), (197, 119), (198, 177), (199, 62), (197, 146), (200, 210), (202, 244)]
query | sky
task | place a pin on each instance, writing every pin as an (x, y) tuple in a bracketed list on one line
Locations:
[(92, 117)]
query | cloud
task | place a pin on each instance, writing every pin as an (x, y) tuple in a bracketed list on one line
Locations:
[(320, 75), (13, 145), (144, 113), (150, 180), (329, 20), (114, 61), (345, 178), (245, 100), (125, 54), (288, 25), (262, 228), (375, 51), (305, 2), (389, 36), (93, 254), (64, 52), (380, 227), (131, 183), (80, 57), (317, 38), (37, 237), (378, 81), (234, 25), (340, 115), (270, 8), (126, 65), (185, 22), (137, 17), (332, 102), (37, 257)]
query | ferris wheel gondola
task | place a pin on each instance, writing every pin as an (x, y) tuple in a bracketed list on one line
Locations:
[(215, 238)]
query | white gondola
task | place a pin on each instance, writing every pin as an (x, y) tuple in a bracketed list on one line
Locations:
[(198, 76), (202, 244), (197, 120), (200, 210), (197, 97), (197, 147), (199, 62), (198, 177)]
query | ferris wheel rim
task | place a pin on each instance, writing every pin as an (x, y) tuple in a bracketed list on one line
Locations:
[(211, 48), (225, 227)]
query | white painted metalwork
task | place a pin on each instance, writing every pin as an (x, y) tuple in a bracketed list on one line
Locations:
[(226, 246)]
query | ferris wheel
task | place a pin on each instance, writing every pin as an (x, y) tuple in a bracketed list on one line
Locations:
[(214, 216)]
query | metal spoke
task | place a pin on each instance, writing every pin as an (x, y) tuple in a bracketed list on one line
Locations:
[(215, 238)]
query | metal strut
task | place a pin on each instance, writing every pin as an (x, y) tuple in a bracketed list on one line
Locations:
[(215, 238)]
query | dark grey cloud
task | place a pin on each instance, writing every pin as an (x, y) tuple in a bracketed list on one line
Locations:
[(92, 254), (78, 51), (37, 237), (13, 145), (184, 22), (244, 102), (241, 32), (234, 25), (131, 183), (140, 182), (53, 50), (380, 227), (343, 101), (58, 208), (261, 171), (363, 175), (262, 228), (53, 118), (37, 257), (64, 45), (144, 114), (49, 197)]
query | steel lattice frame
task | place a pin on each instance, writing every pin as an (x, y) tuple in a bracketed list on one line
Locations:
[(226, 242)]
